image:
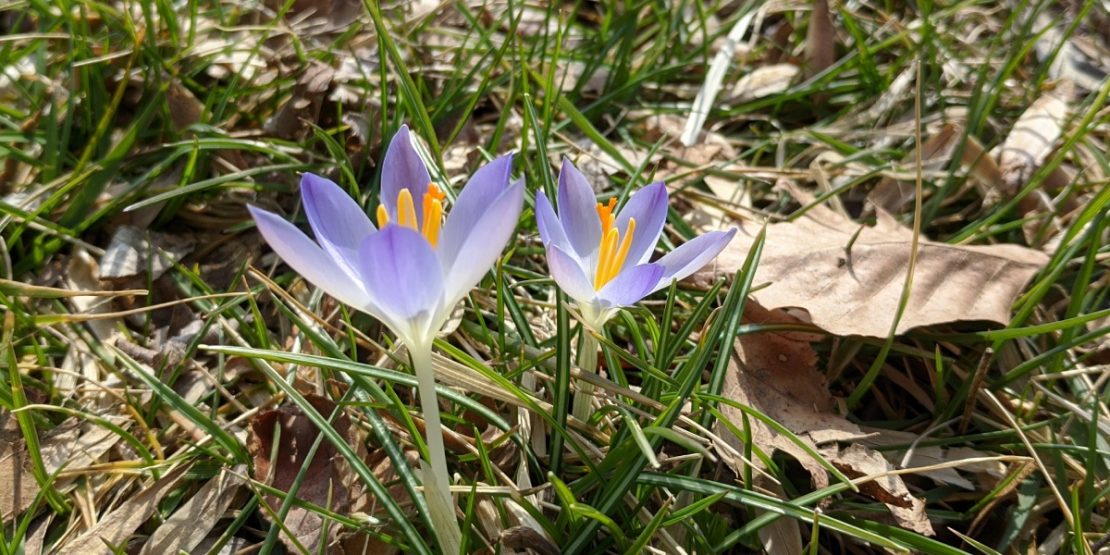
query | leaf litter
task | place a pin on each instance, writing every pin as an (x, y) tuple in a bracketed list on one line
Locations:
[(726, 169), (848, 276)]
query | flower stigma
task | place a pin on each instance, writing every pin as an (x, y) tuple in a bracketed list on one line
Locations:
[(612, 250), (432, 212)]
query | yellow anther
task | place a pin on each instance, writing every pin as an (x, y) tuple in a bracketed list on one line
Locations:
[(610, 259), (383, 216), (608, 246), (406, 211), (431, 210), (433, 213), (618, 261)]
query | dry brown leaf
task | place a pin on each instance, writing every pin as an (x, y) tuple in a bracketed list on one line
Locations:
[(117, 526), (856, 461), (185, 109), (820, 40), (83, 274), (932, 455), (1080, 61), (324, 482), (191, 523), (776, 374), (764, 81), (807, 263), (303, 106), (133, 251), (77, 444), (18, 487), (1031, 140), (892, 194), (784, 535)]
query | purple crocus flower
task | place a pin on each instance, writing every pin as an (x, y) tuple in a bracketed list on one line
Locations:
[(411, 269), (600, 256)]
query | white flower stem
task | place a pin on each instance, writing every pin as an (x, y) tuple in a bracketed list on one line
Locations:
[(436, 482), (587, 362)]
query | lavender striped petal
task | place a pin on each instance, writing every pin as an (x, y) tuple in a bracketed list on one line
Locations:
[(649, 206), (578, 211), (631, 285), (338, 222), (402, 168), (309, 260), (401, 273), (551, 229), (570, 275), (483, 243), (475, 201), (690, 256)]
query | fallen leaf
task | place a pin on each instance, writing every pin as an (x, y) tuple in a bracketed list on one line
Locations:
[(1031, 140), (849, 276), (18, 487), (193, 520), (114, 528), (77, 444), (323, 484), (857, 461), (776, 374), (185, 109), (764, 81), (1077, 60), (303, 106), (133, 251), (83, 274), (820, 40), (893, 193)]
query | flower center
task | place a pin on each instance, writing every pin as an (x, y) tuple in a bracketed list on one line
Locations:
[(432, 206), (613, 250)]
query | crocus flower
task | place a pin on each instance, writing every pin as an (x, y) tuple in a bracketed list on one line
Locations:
[(409, 271), (600, 256)]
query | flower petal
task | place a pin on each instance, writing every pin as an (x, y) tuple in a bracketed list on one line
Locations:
[(649, 207), (578, 211), (402, 168), (337, 220), (401, 273), (690, 256), (570, 275), (551, 229), (483, 242), (309, 260), (631, 285), (474, 203)]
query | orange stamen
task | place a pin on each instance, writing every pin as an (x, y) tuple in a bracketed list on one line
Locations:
[(610, 258), (383, 216), (608, 246), (406, 211)]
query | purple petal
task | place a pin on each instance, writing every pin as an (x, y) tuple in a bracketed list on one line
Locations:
[(484, 242), (474, 203), (570, 275), (402, 168), (649, 207), (339, 223), (631, 285), (690, 256), (551, 229), (578, 211), (401, 272), (309, 260)]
